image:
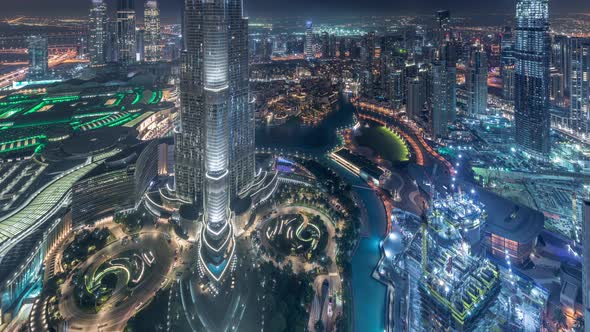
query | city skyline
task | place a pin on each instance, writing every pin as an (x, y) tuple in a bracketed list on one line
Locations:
[(309, 9), (345, 168)]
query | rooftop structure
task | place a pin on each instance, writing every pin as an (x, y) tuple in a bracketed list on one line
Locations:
[(511, 229), (458, 216), (28, 121)]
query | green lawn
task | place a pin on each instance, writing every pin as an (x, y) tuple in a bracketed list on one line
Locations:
[(384, 143)]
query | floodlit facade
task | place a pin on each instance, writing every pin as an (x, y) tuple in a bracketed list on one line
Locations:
[(532, 54), (126, 39), (98, 22), (152, 49), (215, 141)]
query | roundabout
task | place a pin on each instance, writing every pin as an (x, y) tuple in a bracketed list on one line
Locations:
[(111, 285)]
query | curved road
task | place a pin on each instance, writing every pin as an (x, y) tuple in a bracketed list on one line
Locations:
[(111, 317)]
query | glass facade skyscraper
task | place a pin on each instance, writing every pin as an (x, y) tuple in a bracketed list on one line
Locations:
[(580, 84), (126, 40), (152, 50), (476, 80), (532, 55), (98, 21), (309, 40), (215, 140), (444, 97)]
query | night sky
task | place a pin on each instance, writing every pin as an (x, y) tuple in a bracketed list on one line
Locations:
[(312, 8)]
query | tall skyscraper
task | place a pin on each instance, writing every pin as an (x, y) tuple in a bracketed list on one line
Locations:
[(140, 45), (476, 81), (444, 98), (309, 40), (112, 41), (152, 50), (443, 27), (580, 84), (215, 141), (367, 57), (415, 98), (561, 58), (532, 54), (126, 40), (507, 64), (326, 45), (98, 29), (38, 57)]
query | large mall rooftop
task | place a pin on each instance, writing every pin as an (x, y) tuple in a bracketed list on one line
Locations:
[(31, 118)]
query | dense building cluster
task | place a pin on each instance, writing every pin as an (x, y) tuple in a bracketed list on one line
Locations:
[(201, 164)]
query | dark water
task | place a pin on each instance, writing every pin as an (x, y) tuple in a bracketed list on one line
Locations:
[(295, 136), (369, 295)]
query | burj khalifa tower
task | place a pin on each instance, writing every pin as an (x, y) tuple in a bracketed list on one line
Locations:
[(215, 140)]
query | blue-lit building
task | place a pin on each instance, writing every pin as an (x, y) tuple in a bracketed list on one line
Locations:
[(532, 58)]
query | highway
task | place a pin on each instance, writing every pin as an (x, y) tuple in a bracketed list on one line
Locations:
[(21, 73)]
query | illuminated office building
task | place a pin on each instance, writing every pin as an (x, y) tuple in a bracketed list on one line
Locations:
[(152, 50), (126, 40), (444, 98), (580, 84), (507, 64), (416, 98), (38, 57), (476, 80), (532, 54), (98, 24), (367, 58), (309, 40)]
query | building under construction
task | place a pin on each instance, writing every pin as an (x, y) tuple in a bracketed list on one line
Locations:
[(438, 278)]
